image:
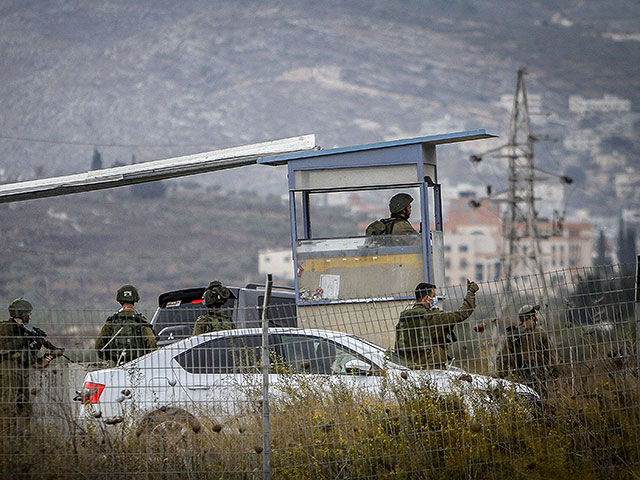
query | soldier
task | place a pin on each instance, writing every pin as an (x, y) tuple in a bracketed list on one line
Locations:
[(215, 295), (528, 353), (125, 335), (398, 222), (18, 353), (424, 330)]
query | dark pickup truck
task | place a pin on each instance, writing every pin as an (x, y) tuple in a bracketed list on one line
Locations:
[(177, 310)]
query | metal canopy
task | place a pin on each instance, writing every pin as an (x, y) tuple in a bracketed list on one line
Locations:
[(351, 156), (378, 165), (154, 170)]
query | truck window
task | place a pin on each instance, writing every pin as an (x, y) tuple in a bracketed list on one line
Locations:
[(281, 312)]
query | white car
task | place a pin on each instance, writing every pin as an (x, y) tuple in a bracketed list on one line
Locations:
[(218, 374)]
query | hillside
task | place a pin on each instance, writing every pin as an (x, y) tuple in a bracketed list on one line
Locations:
[(158, 79), (155, 79), (79, 250)]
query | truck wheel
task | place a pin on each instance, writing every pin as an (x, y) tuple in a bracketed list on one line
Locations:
[(168, 422)]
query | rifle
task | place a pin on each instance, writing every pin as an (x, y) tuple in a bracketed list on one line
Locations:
[(39, 340)]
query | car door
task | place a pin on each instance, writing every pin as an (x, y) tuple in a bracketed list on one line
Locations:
[(221, 376), (322, 360)]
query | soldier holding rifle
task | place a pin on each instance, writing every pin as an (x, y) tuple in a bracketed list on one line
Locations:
[(19, 349)]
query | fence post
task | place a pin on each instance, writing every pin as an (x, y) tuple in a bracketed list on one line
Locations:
[(266, 420), (636, 308)]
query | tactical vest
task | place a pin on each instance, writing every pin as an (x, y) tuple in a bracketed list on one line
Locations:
[(15, 345), (127, 340), (412, 335)]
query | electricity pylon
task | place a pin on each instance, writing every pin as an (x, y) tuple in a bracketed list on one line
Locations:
[(521, 237), (521, 189)]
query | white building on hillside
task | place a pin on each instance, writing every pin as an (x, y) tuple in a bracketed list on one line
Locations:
[(608, 103), (581, 140), (474, 245), (277, 262)]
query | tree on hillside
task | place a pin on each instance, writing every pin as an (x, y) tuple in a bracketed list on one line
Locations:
[(620, 240), (156, 189), (626, 245), (630, 247), (626, 252), (604, 293), (602, 258), (96, 160)]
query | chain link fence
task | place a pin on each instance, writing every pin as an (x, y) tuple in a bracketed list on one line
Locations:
[(514, 398)]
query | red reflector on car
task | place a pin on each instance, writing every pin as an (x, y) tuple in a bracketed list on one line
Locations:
[(197, 301), (92, 392)]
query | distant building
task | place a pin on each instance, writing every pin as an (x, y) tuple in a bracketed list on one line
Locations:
[(631, 216), (565, 246), (474, 245), (608, 103), (472, 242), (277, 262), (627, 186), (582, 140), (548, 196)]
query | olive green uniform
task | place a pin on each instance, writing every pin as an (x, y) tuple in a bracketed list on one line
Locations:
[(422, 333), (401, 226), (528, 354), (17, 355), (125, 336), (213, 321)]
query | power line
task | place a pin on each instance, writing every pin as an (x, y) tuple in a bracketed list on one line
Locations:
[(98, 144)]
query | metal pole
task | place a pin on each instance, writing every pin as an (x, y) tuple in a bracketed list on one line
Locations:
[(266, 420), (154, 170), (636, 307)]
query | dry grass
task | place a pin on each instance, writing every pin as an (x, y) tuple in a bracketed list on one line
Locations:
[(587, 429)]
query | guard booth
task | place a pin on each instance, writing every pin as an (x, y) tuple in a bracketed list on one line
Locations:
[(351, 282)]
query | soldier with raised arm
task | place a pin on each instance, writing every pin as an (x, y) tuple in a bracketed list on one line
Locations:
[(424, 330)]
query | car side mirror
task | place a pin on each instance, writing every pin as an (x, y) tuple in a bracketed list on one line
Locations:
[(357, 367)]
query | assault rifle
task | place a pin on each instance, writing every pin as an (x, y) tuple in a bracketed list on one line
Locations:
[(39, 340)]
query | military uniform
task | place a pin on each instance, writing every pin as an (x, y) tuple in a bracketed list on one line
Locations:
[(528, 353), (17, 356), (401, 226), (125, 336), (423, 333), (214, 296), (213, 321), (398, 223)]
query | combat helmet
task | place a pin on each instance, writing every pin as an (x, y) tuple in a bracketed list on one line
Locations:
[(527, 310), (215, 294), (127, 294), (399, 202), (20, 308)]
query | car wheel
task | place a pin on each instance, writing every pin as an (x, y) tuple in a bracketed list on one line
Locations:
[(168, 423)]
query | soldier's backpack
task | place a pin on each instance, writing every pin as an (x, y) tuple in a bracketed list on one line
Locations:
[(384, 226), (128, 340)]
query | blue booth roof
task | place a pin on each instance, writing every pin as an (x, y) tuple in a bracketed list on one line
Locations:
[(440, 139)]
